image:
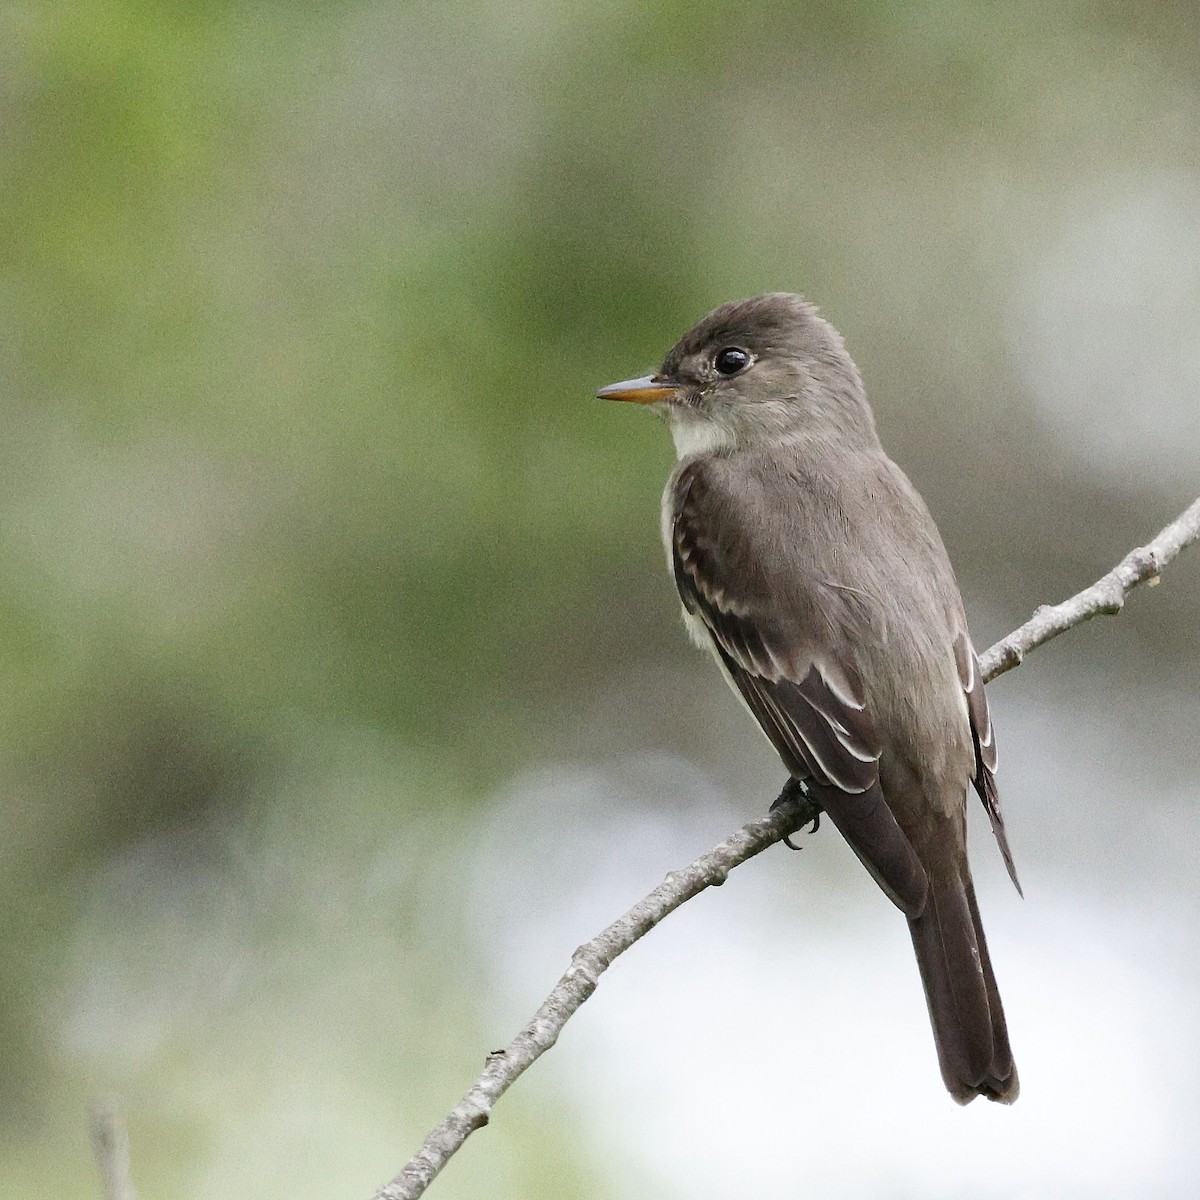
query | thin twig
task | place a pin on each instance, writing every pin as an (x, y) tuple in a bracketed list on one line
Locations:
[(1105, 596), (590, 961), (110, 1146)]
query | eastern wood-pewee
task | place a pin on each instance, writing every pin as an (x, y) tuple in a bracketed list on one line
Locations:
[(811, 569)]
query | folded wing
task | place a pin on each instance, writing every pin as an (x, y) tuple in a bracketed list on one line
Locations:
[(786, 645), (985, 746)]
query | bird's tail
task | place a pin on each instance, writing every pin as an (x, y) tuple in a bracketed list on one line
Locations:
[(960, 989)]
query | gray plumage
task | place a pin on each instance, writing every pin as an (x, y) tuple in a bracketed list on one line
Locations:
[(811, 569)]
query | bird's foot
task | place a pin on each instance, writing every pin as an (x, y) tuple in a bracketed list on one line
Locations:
[(794, 789)]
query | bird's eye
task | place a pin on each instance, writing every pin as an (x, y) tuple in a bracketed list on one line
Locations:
[(731, 360)]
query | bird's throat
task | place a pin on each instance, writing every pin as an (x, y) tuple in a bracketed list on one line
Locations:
[(696, 433)]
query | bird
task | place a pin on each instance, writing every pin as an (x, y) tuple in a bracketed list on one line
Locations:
[(811, 569)]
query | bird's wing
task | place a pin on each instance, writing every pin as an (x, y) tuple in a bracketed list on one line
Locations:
[(985, 746), (785, 640)]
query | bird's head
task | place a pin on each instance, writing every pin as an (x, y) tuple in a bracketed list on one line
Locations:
[(754, 372)]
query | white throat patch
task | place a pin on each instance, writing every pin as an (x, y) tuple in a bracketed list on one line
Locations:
[(695, 434)]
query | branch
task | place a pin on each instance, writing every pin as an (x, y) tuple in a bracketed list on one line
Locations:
[(110, 1146), (1106, 595), (588, 963), (593, 958)]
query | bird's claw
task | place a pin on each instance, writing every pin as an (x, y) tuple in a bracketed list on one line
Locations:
[(794, 789), (787, 837)]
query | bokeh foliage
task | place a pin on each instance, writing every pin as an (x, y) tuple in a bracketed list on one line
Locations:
[(311, 533)]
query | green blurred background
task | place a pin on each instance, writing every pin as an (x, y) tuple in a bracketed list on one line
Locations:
[(344, 688)]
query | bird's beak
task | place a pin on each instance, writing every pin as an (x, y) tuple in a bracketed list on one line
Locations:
[(647, 390)]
